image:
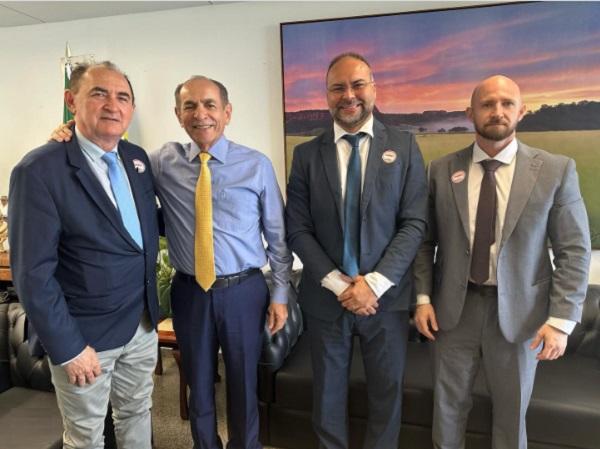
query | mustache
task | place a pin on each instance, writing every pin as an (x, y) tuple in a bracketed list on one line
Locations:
[(346, 102), (496, 122)]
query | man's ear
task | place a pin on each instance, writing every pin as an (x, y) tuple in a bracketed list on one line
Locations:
[(522, 112), (178, 115), (469, 113), (228, 112), (70, 101)]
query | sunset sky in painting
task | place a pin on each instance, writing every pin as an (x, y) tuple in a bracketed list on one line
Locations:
[(432, 61)]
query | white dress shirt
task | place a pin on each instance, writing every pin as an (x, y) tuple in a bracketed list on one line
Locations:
[(333, 281), (504, 178)]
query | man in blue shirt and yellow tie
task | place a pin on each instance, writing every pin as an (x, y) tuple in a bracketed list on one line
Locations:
[(219, 199)]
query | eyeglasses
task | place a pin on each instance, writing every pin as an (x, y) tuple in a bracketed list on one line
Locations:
[(356, 87)]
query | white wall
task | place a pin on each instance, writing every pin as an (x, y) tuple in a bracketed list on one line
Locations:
[(237, 44)]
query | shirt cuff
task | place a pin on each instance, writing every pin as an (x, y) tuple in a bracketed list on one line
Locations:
[(378, 283), (280, 294), (422, 298), (334, 282), (561, 324), (74, 358)]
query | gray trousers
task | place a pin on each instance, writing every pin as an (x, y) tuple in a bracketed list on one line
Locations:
[(126, 380), (509, 370)]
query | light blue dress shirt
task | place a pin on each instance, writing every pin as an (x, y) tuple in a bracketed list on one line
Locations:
[(247, 205)]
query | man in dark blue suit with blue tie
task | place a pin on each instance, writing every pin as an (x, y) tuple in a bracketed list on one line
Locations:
[(83, 233), (356, 214)]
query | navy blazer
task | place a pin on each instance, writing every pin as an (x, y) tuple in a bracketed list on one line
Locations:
[(393, 216), (80, 276)]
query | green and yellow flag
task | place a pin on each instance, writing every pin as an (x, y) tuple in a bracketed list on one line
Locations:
[(66, 113)]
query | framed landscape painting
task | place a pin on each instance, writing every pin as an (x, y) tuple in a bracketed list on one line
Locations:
[(426, 64)]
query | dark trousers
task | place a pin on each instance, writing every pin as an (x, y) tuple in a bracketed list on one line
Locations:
[(232, 318), (383, 341)]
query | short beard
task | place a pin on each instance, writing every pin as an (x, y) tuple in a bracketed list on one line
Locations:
[(495, 134), (346, 122)]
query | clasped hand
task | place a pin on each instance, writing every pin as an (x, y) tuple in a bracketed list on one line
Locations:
[(358, 298)]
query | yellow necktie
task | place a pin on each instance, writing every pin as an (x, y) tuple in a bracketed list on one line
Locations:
[(204, 255)]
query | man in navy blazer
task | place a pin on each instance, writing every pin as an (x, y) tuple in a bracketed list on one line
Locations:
[(360, 285), (84, 236)]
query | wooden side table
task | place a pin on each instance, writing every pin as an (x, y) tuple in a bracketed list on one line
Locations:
[(167, 339), (5, 274)]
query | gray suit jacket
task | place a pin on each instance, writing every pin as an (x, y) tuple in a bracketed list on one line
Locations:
[(393, 211), (545, 205)]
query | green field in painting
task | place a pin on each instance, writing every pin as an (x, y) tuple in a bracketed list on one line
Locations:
[(583, 146)]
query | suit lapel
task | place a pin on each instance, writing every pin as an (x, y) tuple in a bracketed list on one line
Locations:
[(461, 196), (330, 165), (373, 164), (527, 168), (94, 189)]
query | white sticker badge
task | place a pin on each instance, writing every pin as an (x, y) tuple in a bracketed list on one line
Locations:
[(139, 166), (458, 176), (389, 156)]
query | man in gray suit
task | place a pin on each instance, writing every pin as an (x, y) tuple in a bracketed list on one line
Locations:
[(356, 214), (496, 300)]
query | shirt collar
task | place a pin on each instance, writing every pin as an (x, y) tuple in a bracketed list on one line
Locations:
[(339, 132), (505, 156), (92, 150), (218, 151)]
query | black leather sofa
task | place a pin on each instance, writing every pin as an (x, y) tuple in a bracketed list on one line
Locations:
[(564, 412), (29, 416)]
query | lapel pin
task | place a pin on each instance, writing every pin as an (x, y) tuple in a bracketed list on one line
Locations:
[(458, 176), (388, 156), (139, 166)]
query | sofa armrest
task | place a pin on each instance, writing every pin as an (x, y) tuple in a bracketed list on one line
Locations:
[(27, 370), (585, 339), (5, 382), (277, 347)]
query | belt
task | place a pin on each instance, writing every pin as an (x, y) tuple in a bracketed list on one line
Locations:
[(225, 281), (483, 289)]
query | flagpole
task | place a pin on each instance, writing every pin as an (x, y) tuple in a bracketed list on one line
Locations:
[(67, 75)]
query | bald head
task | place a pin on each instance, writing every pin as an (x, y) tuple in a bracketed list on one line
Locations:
[(496, 83), (496, 109)]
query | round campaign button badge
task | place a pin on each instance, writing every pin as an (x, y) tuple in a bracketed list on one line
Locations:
[(388, 156)]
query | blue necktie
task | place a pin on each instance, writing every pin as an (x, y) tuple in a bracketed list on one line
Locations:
[(123, 197), (350, 261)]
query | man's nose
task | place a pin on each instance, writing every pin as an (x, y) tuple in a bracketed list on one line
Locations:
[(199, 112), (348, 92), (110, 103), (498, 110)]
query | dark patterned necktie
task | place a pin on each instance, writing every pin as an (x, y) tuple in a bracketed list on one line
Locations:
[(485, 223)]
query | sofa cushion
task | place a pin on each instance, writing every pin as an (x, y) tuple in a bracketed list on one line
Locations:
[(565, 405), (30, 419), (558, 403), (417, 407), (293, 382)]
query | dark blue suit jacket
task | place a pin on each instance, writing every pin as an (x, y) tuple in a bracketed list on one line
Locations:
[(81, 278), (393, 212)]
